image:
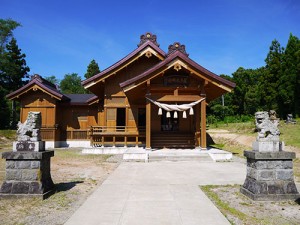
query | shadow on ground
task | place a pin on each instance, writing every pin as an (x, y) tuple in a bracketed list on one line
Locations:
[(66, 186)]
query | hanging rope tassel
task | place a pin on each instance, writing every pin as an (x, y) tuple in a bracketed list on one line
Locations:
[(184, 114), (175, 114), (159, 111), (168, 114), (191, 111)]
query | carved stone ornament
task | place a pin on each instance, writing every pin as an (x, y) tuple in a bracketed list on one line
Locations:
[(177, 47), (267, 126), (148, 37), (30, 129)]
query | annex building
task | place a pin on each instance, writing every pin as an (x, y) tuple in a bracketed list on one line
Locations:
[(149, 98)]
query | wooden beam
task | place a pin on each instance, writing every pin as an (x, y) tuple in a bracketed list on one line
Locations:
[(148, 118)]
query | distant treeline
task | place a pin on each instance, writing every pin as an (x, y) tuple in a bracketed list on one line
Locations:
[(275, 86)]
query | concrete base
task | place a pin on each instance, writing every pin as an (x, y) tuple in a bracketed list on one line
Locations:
[(104, 150), (135, 154), (27, 175), (270, 176), (219, 155), (268, 146), (143, 155)]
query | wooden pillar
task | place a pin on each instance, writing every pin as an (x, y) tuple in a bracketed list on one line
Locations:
[(203, 144), (197, 124), (203, 124), (148, 119), (148, 125)]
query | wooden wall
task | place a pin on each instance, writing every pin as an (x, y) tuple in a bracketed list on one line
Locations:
[(38, 101)]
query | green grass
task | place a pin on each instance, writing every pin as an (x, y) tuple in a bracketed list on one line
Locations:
[(231, 146), (223, 206), (290, 133), (9, 134), (243, 210), (241, 128)]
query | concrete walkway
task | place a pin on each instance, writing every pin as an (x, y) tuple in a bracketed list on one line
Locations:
[(158, 193)]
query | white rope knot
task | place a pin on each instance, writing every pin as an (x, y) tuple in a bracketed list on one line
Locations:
[(179, 108)]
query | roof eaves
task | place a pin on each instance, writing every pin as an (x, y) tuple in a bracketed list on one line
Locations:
[(123, 60), (57, 94), (171, 57)]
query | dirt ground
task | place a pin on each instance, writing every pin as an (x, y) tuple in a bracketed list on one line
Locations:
[(242, 210), (75, 176), (239, 209)]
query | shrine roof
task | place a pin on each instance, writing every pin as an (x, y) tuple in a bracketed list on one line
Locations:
[(43, 84), (80, 99), (144, 43), (182, 56)]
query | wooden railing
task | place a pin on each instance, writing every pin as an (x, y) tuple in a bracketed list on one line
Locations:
[(48, 133), (117, 135), (77, 134)]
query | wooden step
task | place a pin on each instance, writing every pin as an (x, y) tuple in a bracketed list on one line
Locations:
[(173, 140)]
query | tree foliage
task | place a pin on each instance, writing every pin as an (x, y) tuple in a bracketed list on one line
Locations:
[(71, 84), (6, 31), (274, 86), (92, 69), (52, 79), (13, 71)]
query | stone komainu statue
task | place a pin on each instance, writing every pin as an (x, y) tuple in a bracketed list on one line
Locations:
[(30, 129), (267, 125)]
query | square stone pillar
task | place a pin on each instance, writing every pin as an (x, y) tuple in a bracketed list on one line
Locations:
[(270, 176), (27, 174)]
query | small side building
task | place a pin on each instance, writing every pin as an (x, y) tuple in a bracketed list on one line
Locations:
[(148, 98)]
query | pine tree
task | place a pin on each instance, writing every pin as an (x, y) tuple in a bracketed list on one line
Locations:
[(6, 32), (14, 74), (92, 69), (269, 81), (289, 81), (14, 70)]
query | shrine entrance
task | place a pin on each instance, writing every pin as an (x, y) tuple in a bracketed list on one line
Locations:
[(168, 122)]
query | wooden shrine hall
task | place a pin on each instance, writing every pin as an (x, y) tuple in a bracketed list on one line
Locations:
[(149, 98)]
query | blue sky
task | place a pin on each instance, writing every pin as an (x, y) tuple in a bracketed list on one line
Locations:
[(63, 36)]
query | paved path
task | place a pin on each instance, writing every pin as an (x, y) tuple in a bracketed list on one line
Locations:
[(158, 193)]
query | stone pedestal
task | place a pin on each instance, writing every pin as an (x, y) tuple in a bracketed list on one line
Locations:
[(27, 174), (270, 176)]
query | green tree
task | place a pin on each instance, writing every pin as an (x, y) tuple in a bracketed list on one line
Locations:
[(289, 81), (246, 83), (269, 82), (13, 75), (6, 31), (14, 71), (71, 84), (92, 69), (52, 79), (4, 109)]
